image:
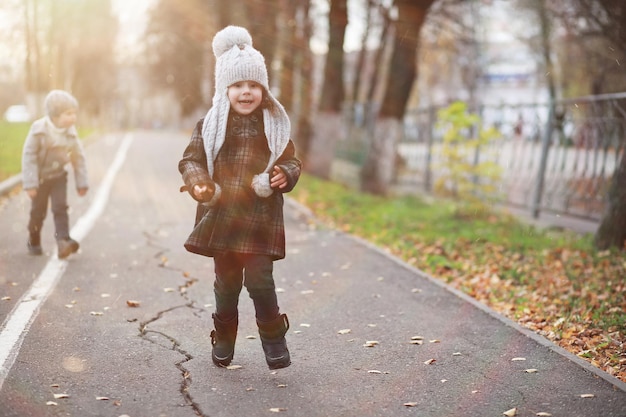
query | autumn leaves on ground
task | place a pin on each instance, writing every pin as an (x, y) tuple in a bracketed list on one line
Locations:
[(552, 282)]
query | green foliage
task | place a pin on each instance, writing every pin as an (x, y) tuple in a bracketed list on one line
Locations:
[(12, 137), (466, 177)]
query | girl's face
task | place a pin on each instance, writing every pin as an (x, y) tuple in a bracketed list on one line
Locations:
[(245, 96), (65, 119)]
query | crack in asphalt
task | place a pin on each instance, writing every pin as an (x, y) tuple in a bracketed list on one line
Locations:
[(144, 331), (175, 346)]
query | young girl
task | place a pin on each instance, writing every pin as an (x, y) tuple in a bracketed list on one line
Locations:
[(51, 143), (239, 162)]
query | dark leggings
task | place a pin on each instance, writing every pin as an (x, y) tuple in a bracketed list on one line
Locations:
[(54, 190), (232, 271)]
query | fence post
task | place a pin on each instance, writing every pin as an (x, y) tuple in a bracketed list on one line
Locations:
[(541, 174)]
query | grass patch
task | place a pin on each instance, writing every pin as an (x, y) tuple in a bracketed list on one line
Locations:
[(552, 282), (12, 137)]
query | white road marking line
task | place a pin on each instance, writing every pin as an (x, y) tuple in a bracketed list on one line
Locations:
[(18, 322)]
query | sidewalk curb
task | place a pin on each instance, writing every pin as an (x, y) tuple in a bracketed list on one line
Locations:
[(304, 211), (9, 184)]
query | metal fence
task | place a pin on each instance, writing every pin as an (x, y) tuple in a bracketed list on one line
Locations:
[(557, 158)]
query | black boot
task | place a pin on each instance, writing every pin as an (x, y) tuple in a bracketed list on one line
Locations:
[(34, 244), (223, 340), (273, 340)]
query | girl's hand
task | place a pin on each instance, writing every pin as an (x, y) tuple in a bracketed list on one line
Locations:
[(278, 179), (32, 193), (203, 192)]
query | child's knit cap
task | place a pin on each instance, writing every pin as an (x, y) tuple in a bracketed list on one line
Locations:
[(59, 101), (238, 61)]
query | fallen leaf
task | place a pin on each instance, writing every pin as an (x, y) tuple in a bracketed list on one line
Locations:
[(251, 336), (105, 295), (370, 343), (374, 371), (531, 371), (416, 342), (96, 313), (305, 292), (54, 385), (58, 396), (510, 413), (410, 404), (280, 290), (587, 396), (518, 359), (169, 289), (282, 385), (133, 303), (417, 338), (430, 361), (102, 398), (250, 389), (435, 341), (542, 414), (416, 290), (51, 403), (305, 325), (344, 331), (234, 367), (444, 380), (277, 409), (7, 298), (457, 354)]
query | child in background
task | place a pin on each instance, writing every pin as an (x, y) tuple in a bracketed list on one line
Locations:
[(238, 164), (52, 142)]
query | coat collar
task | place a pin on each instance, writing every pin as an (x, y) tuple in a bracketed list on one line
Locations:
[(39, 128)]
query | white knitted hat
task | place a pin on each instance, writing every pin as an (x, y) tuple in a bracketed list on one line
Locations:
[(58, 101), (238, 61)]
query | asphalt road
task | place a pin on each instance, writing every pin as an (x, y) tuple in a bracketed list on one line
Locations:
[(87, 352)]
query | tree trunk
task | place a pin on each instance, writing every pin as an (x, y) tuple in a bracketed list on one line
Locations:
[(304, 88), (378, 170), (328, 123), (263, 26), (612, 230), (288, 53)]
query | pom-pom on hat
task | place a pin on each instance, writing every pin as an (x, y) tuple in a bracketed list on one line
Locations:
[(59, 101), (238, 61)]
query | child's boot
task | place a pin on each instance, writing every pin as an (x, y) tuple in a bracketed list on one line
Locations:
[(66, 247), (223, 340), (273, 340), (34, 244)]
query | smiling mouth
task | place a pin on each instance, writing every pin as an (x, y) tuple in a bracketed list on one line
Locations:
[(245, 101)]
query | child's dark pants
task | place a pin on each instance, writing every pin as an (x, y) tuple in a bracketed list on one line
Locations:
[(233, 270), (55, 190)]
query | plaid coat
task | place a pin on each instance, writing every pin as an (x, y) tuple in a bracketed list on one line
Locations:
[(240, 221)]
